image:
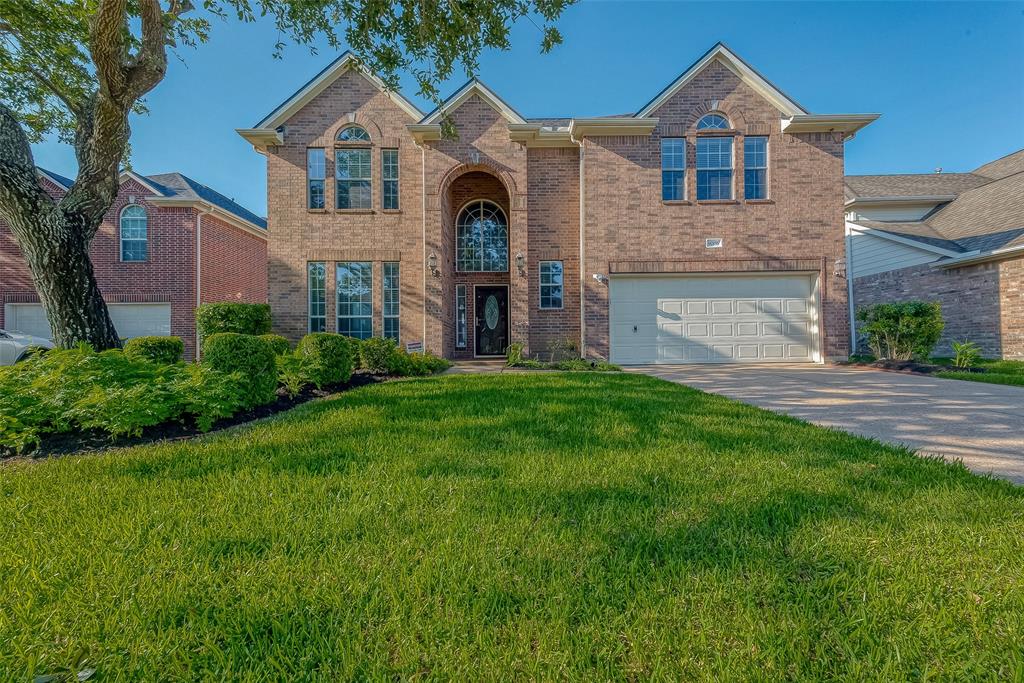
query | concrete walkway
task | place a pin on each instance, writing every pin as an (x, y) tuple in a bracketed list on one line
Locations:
[(981, 424)]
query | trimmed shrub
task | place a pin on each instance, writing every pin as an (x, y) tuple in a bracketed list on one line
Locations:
[(251, 357), (377, 355), (356, 347), (420, 364), (901, 331), (235, 317), (326, 358), (163, 350), (291, 373), (278, 343), (114, 392)]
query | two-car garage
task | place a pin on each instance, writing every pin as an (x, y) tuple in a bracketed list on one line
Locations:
[(714, 318), (130, 320)]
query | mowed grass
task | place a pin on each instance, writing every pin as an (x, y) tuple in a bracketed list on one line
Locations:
[(996, 371), (521, 526)]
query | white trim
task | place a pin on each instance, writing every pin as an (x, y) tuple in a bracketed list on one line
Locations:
[(726, 57), (120, 233), (908, 199), (471, 88), (141, 180), (508, 319), (53, 180), (508, 234), (261, 138), (980, 257), (847, 124), (579, 128), (217, 211), (334, 70), (538, 135), (907, 241)]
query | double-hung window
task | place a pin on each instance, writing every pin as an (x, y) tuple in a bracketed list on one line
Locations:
[(389, 177), (317, 286), (316, 174), (391, 300), (352, 179), (673, 169), (755, 167), (714, 167), (550, 284), (354, 281)]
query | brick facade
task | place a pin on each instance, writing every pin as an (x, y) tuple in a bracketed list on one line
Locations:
[(234, 266), (625, 222), (983, 303)]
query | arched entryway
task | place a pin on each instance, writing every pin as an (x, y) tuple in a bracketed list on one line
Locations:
[(479, 260)]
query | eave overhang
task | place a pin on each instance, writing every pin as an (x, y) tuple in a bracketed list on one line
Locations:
[(980, 257), (423, 132), (537, 135), (847, 124), (908, 199), (580, 128), (213, 209), (261, 138)]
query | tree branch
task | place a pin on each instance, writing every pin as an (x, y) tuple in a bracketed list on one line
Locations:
[(19, 183), (150, 64)]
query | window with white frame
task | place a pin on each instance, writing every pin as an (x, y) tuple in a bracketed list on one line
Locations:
[(755, 167), (316, 178), (673, 169), (317, 286), (714, 168), (391, 303), (481, 238), (550, 284), (353, 134), (713, 122), (460, 316), (354, 282), (134, 238), (389, 178), (352, 179)]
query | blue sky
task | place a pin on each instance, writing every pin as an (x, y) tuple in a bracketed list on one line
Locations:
[(948, 79)]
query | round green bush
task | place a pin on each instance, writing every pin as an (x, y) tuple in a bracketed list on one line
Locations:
[(250, 356), (327, 358), (280, 345), (163, 350), (232, 317), (377, 354)]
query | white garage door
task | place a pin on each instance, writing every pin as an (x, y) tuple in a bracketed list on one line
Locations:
[(130, 320), (713, 319)]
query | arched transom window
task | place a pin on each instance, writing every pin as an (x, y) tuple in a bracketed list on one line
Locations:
[(712, 122), (482, 238), (353, 134), (133, 233)]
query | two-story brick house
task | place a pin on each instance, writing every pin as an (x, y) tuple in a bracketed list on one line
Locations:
[(167, 244), (705, 227)]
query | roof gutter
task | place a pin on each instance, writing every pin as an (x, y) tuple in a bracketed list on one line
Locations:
[(847, 124), (983, 257), (207, 207), (908, 199)]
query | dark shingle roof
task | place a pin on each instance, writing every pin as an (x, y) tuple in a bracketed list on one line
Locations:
[(179, 185), (911, 184), (66, 182)]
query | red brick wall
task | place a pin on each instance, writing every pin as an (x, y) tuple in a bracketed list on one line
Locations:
[(234, 264), (168, 273), (1011, 305), (802, 219)]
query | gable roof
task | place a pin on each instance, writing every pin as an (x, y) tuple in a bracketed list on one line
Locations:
[(180, 186), (1002, 167), (911, 185), (319, 83), (468, 90), (722, 54)]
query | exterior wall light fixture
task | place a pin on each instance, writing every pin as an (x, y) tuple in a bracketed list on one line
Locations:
[(432, 263)]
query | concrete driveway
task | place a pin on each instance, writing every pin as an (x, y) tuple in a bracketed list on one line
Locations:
[(981, 424)]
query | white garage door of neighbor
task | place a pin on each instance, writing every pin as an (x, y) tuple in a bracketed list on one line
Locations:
[(130, 320), (713, 319)]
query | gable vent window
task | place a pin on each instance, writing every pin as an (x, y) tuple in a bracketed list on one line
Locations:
[(673, 169)]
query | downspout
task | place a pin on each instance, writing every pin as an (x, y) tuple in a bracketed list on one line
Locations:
[(199, 272), (423, 259), (849, 288), (583, 336)]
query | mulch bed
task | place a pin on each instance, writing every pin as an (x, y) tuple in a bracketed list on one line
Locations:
[(81, 442), (912, 367)]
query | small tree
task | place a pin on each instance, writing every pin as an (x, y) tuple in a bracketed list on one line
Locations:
[(901, 331), (79, 67)]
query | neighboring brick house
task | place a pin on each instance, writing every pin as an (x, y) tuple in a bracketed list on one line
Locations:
[(954, 238), (702, 228), (149, 265)]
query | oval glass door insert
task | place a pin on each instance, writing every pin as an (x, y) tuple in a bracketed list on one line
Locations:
[(491, 312)]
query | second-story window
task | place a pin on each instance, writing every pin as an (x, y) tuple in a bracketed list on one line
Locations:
[(134, 237), (755, 167), (389, 176), (713, 122), (352, 179), (316, 176), (673, 169), (714, 168)]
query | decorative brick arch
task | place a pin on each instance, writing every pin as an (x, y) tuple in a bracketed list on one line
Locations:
[(482, 166), (733, 113)]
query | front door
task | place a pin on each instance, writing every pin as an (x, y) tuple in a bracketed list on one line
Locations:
[(491, 320)]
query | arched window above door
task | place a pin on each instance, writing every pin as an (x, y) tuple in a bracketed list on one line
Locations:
[(481, 238)]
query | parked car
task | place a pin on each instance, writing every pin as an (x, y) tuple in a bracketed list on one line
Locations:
[(14, 346)]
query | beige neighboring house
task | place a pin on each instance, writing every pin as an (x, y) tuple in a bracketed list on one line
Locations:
[(954, 238)]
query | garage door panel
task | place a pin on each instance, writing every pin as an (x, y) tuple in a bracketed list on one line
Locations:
[(130, 320), (712, 319)]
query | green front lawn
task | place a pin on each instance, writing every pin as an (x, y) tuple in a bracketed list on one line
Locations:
[(996, 371), (542, 526)]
